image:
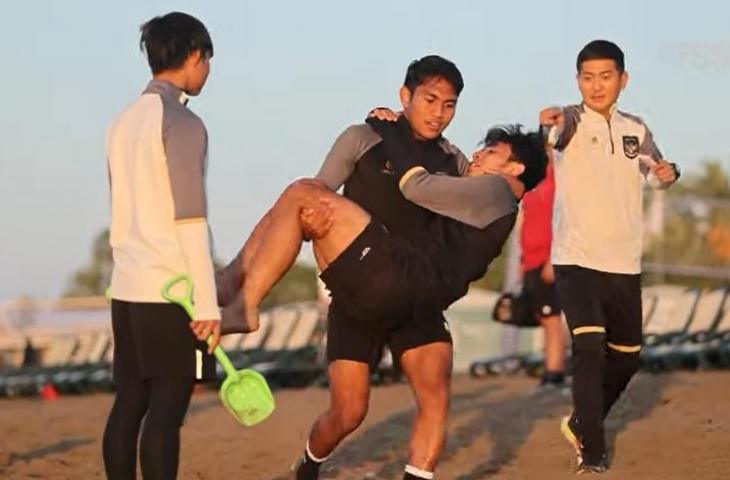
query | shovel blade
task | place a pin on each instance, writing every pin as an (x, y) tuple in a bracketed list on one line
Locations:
[(248, 397)]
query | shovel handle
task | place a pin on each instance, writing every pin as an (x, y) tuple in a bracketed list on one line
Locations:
[(186, 302), (223, 359)]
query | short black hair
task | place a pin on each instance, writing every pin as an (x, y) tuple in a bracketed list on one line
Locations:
[(601, 50), (527, 149), (432, 66), (170, 39)]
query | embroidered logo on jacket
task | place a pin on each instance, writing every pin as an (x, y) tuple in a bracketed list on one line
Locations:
[(631, 146)]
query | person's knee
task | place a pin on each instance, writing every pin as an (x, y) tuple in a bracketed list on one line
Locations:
[(131, 401), (348, 417), (589, 348), (625, 364), (294, 191), (303, 189), (164, 419), (169, 401)]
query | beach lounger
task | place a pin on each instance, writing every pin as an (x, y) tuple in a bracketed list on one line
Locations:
[(668, 326)]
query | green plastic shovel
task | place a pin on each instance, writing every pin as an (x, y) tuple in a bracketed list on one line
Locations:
[(244, 393)]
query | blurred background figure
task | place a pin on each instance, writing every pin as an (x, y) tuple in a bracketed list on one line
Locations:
[(538, 278)]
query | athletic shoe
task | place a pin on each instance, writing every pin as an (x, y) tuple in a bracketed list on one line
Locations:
[(552, 388), (567, 428), (599, 467)]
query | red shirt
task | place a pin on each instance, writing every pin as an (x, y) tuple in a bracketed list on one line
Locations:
[(537, 222)]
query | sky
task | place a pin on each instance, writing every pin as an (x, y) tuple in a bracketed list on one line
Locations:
[(288, 77)]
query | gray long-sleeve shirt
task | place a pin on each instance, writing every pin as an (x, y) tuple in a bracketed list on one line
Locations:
[(475, 201)]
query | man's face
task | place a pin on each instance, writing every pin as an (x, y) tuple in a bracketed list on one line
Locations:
[(494, 159), (430, 108), (600, 84), (197, 67)]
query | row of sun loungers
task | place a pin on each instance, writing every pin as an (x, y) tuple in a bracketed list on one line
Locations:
[(286, 349)]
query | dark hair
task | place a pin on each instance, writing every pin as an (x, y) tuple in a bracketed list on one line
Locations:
[(432, 66), (170, 39), (601, 50), (527, 149)]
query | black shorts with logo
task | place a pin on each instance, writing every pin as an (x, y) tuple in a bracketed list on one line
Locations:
[(376, 284), (155, 340), (541, 297)]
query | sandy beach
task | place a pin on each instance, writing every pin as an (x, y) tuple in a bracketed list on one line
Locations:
[(667, 427)]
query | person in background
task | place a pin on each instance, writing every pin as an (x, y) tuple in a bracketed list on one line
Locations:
[(538, 277)]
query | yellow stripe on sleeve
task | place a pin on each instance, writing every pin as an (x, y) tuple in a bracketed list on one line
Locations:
[(406, 176)]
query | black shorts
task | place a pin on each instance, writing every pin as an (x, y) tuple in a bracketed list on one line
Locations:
[(612, 301), (351, 340), (540, 296), (382, 290), (380, 279), (155, 340)]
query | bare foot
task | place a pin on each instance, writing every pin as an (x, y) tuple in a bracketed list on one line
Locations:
[(237, 318), (252, 318)]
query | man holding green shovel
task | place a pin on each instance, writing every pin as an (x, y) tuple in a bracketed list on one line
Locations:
[(157, 154)]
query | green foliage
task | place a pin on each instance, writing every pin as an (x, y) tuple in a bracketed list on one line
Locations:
[(494, 278), (298, 284), (94, 277), (696, 226), (711, 181)]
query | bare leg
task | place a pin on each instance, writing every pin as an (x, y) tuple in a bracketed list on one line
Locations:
[(230, 278), (428, 369), (279, 239), (349, 395), (554, 343)]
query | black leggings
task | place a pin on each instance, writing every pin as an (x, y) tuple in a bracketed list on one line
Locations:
[(603, 311), (162, 402)]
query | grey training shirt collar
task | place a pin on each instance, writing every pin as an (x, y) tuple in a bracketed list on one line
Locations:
[(167, 89)]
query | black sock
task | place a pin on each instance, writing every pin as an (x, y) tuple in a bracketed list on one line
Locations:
[(557, 377), (308, 468)]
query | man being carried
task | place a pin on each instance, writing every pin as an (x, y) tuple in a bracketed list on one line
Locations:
[(382, 282)]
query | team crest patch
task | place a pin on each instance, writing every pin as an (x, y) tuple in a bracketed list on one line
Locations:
[(631, 146)]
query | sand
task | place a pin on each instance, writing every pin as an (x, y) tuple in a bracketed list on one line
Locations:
[(666, 427)]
